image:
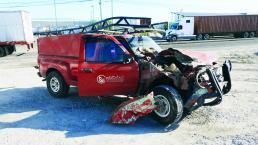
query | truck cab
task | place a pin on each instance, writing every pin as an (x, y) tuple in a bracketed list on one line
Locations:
[(183, 28), (107, 66)]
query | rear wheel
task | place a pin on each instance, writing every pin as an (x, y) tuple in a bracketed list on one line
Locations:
[(169, 105), (199, 37), (246, 35), (2, 52), (206, 37), (252, 34), (56, 85), (11, 49), (8, 50)]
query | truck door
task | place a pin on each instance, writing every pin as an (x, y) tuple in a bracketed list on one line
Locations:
[(185, 28), (188, 26), (108, 69), (180, 31)]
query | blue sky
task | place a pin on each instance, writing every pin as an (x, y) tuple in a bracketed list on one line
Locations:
[(159, 10)]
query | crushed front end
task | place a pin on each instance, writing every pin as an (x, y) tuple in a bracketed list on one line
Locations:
[(193, 79), (210, 84), (199, 79)]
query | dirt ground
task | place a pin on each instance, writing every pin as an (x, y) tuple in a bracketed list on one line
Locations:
[(29, 115)]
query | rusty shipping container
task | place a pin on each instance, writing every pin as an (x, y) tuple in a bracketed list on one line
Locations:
[(225, 24)]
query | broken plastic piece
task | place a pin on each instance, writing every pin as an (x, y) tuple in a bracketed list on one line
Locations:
[(129, 111)]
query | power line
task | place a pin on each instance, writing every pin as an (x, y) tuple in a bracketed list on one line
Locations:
[(100, 9), (45, 3), (27, 2), (112, 8), (32, 2), (55, 12)]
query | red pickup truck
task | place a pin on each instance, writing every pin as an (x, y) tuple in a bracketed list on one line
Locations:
[(106, 65)]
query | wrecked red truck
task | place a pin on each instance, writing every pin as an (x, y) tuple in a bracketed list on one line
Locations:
[(135, 66)]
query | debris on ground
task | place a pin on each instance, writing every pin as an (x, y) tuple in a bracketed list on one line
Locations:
[(129, 111)]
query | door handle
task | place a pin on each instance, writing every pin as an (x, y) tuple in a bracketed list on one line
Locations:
[(87, 70)]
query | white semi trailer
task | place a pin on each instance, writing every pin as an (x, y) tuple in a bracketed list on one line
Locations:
[(203, 27), (15, 29)]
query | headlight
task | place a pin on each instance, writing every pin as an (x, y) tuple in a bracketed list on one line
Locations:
[(202, 78)]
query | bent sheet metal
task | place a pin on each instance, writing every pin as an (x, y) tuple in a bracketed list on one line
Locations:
[(129, 111)]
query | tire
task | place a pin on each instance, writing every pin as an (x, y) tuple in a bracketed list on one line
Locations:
[(252, 35), (11, 49), (2, 52), (171, 110), (56, 85), (7, 50), (199, 37), (206, 37), (245, 35), (173, 38)]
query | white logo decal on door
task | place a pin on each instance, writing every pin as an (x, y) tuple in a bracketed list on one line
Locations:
[(101, 79)]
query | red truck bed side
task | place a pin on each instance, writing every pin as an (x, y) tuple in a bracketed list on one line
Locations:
[(67, 49), (65, 45)]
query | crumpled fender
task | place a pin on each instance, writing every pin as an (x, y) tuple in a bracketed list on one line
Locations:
[(129, 111), (204, 57)]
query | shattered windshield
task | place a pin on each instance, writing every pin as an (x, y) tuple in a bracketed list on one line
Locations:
[(143, 44)]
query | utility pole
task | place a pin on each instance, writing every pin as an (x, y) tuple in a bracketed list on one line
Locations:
[(55, 13), (93, 15), (112, 8), (100, 8)]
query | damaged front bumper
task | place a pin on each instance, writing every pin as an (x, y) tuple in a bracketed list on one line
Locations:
[(221, 88), (202, 96)]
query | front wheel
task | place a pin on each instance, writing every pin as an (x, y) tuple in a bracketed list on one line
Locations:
[(173, 38), (56, 85), (169, 105)]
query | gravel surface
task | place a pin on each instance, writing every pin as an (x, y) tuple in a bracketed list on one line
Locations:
[(29, 115)]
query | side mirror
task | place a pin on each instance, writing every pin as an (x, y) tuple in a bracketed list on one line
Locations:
[(128, 59)]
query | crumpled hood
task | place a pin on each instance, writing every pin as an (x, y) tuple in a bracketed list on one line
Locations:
[(201, 57)]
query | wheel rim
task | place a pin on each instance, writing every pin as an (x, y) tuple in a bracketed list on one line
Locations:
[(2, 52), (163, 108), (174, 38), (252, 34), (54, 84), (199, 37), (207, 37), (246, 35)]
